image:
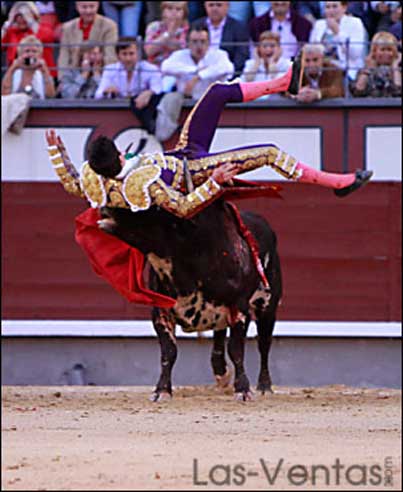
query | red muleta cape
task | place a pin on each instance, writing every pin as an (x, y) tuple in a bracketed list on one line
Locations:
[(122, 265)]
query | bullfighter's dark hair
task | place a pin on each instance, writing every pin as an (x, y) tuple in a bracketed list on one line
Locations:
[(124, 42), (103, 157)]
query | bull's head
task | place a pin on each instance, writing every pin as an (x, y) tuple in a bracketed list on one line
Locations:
[(149, 231)]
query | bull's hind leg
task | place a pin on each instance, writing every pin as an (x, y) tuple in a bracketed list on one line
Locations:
[(236, 351), (265, 326), (164, 325), (221, 372)]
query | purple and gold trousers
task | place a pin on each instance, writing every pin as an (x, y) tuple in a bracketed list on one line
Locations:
[(198, 132)]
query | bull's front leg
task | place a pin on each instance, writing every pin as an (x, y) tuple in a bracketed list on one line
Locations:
[(164, 325), (265, 325), (236, 351), (221, 372)]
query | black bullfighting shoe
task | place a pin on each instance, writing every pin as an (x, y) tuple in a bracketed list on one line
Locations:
[(293, 88), (361, 178)]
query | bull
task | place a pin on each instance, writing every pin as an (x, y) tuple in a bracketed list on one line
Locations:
[(207, 265)]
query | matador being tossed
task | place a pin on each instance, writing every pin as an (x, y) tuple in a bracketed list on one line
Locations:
[(111, 178), (138, 181)]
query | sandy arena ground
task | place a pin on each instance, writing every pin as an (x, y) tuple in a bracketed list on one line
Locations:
[(101, 438)]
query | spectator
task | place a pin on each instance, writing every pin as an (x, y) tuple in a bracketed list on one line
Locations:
[(366, 13), (344, 37), (244, 11), (381, 76), (126, 15), (4, 12), (321, 79), (23, 20), (267, 64), (292, 27), (196, 10), (196, 67), (226, 33), (83, 81), (89, 26), (168, 34), (311, 10), (55, 13), (396, 30), (388, 14), (152, 12), (29, 73), (134, 78)]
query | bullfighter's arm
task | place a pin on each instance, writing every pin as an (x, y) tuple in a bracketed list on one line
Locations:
[(63, 166), (144, 187), (185, 206)]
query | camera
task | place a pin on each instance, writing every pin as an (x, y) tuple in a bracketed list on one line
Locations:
[(30, 61)]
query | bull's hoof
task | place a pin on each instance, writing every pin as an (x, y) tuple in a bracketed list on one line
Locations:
[(264, 385), (264, 390), (160, 396), (224, 380), (244, 396)]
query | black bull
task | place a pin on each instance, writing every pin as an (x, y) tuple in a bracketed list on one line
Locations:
[(207, 266)]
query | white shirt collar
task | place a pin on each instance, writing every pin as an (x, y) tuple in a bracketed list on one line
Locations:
[(130, 164), (220, 25)]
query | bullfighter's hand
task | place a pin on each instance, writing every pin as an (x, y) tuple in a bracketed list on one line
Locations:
[(225, 173), (51, 137)]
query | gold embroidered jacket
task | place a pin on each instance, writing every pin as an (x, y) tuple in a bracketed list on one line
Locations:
[(154, 179)]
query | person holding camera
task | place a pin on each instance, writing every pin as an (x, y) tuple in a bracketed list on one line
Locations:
[(29, 72), (24, 20), (382, 74), (82, 82)]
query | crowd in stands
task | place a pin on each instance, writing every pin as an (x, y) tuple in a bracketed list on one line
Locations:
[(158, 53)]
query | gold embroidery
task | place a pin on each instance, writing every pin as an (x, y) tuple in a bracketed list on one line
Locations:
[(178, 176), (69, 180), (136, 187), (184, 205), (93, 186), (115, 198)]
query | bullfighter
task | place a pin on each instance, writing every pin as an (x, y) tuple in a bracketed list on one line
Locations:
[(138, 181)]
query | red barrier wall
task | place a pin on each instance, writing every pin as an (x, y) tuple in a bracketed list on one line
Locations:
[(341, 258)]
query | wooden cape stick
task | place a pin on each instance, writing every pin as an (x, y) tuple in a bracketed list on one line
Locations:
[(301, 74)]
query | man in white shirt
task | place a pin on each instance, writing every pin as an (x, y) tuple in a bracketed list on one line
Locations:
[(226, 33), (198, 66), (137, 79), (344, 37)]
